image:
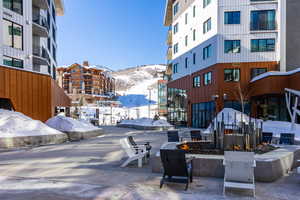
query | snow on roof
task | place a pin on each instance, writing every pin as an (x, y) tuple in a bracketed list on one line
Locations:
[(274, 73)]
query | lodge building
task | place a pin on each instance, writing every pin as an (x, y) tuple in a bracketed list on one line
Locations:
[(224, 52)]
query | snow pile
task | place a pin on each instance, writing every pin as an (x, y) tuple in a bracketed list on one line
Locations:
[(15, 124), (275, 73), (67, 124), (146, 122)]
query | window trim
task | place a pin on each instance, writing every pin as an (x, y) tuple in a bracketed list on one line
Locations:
[(13, 61), (13, 36)]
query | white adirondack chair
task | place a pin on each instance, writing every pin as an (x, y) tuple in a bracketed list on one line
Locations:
[(239, 170), (132, 153)]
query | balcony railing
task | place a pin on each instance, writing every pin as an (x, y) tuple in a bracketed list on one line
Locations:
[(169, 38), (41, 52), (169, 53), (41, 20), (263, 26)]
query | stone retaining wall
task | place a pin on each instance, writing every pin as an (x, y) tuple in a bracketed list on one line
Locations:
[(31, 141), (138, 127), (76, 136)]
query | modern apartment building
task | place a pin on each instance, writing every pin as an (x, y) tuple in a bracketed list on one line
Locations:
[(93, 83), (28, 42), (216, 47)]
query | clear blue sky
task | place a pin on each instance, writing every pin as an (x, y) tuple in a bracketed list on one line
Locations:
[(114, 33)]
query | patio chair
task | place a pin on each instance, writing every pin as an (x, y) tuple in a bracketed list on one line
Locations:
[(176, 168), (239, 170), (173, 136), (132, 153), (140, 145), (196, 135), (287, 138), (267, 137)]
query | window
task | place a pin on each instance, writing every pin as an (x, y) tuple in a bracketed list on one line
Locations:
[(186, 60), (194, 58), (13, 62), (186, 18), (194, 34), (13, 34), (175, 48), (257, 71), (203, 114), (14, 5), (194, 11), (232, 46), (186, 40), (175, 68), (262, 45), (207, 52), (196, 81), (176, 8), (263, 20), (232, 75), (175, 28), (232, 17), (206, 3), (207, 78), (207, 25)]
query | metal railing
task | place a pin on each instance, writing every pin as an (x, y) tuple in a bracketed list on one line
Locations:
[(41, 52), (41, 20)]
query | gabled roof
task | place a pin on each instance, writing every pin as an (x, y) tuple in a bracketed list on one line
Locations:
[(168, 12)]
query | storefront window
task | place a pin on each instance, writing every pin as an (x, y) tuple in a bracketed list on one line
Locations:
[(177, 106), (203, 114)]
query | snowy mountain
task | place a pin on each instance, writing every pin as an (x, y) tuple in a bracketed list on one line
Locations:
[(137, 80)]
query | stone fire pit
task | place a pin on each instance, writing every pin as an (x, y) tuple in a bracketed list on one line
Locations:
[(269, 166)]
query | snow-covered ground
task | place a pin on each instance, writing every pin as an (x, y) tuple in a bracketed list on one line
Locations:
[(15, 124), (67, 124), (146, 122)]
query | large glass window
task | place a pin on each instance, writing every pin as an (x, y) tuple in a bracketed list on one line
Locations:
[(14, 5), (208, 78), (262, 45), (13, 62), (232, 75), (12, 34), (203, 114), (206, 3), (177, 106), (196, 81), (232, 17), (232, 46), (207, 25), (257, 71), (207, 52), (263, 20), (176, 8)]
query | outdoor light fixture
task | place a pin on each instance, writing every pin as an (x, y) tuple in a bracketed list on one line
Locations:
[(215, 96)]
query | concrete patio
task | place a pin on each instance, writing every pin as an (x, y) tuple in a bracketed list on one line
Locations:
[(89, 170)]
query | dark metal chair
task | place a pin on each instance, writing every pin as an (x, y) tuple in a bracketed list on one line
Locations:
[(267, 137), (176, 165), (196, 135), (287, 138), (173, 136), (136, 145)]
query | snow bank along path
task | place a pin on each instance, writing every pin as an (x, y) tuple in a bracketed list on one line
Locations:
[(67, 124), (15, 124)]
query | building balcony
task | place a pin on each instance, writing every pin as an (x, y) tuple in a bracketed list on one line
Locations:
[(40, 26), (42, 4), (169, 53), (169, 38), (40, 56)]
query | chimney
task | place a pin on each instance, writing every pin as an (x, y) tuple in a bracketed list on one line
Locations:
[(85, 63)]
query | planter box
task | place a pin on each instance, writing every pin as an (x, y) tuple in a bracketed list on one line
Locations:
[(31, 141)]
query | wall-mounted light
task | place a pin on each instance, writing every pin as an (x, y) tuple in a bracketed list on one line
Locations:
[(215, 97)]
